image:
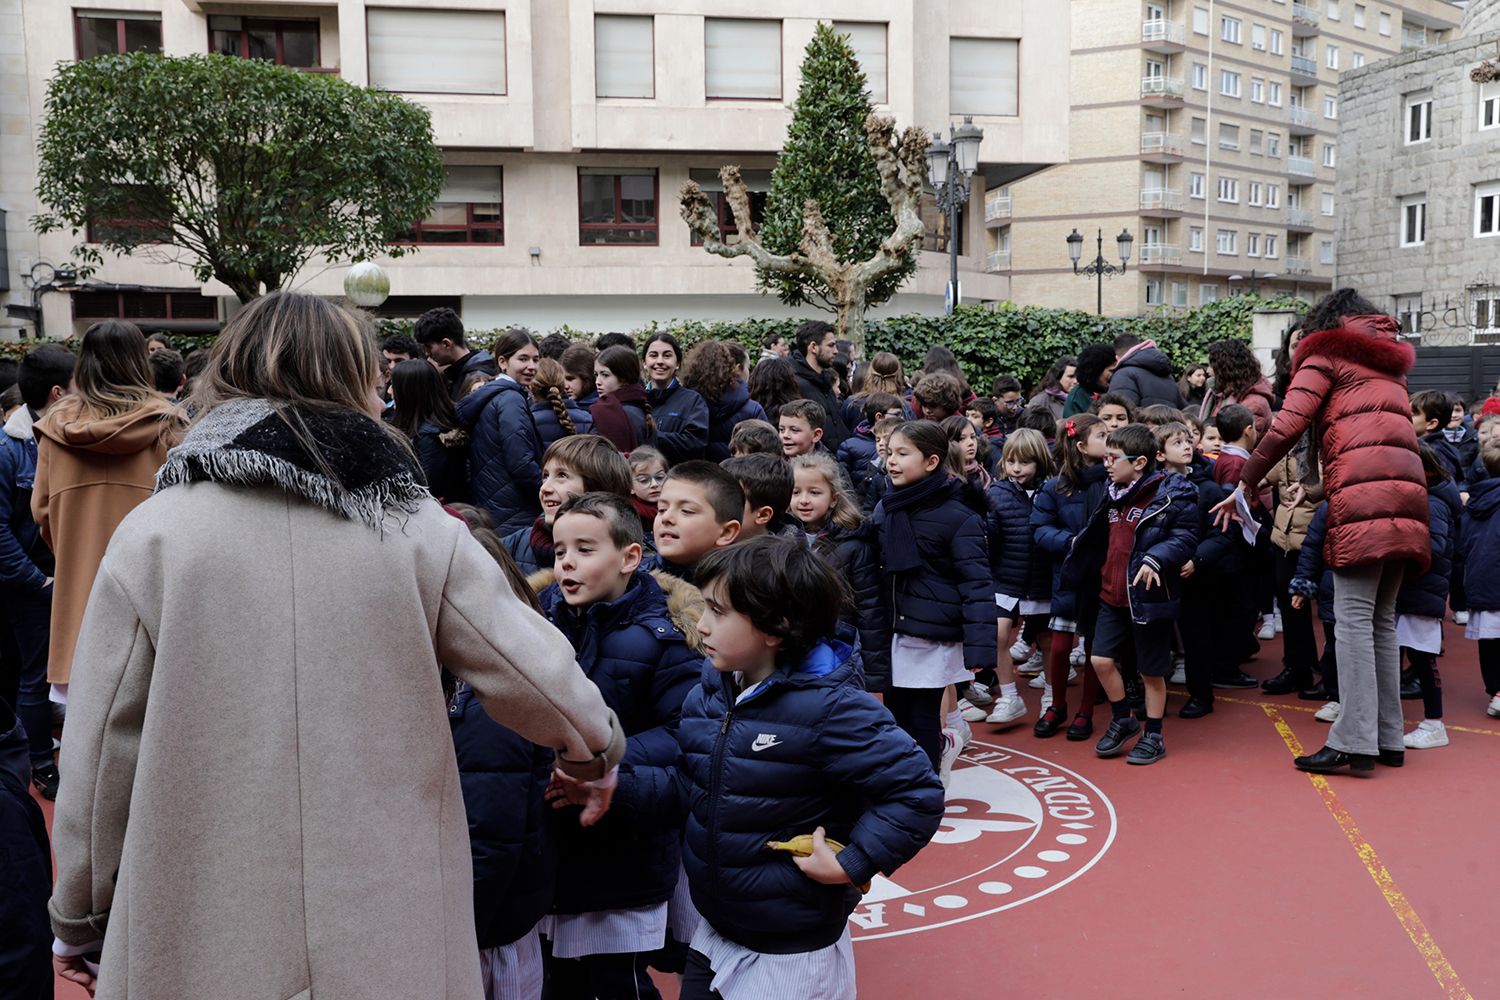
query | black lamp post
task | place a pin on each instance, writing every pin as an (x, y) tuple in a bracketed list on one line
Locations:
[(1098, 268), (950, 167), (1255, 279)]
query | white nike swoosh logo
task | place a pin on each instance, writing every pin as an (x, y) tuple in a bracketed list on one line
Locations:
[(760, 744)]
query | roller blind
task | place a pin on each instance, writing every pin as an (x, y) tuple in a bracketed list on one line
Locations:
[(623, 52), (742, 59), (437, 52), (982, 76), (481, 185), (868, 42)]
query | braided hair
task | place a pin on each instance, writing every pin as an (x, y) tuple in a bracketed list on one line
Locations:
[(550, 385)]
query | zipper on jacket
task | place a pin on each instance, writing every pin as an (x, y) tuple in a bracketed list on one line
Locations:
[(1129, 585), (716, 763)]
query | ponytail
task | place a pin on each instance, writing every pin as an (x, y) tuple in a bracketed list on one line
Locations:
[(549, 386)]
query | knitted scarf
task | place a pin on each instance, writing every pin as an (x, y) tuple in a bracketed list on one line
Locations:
[(896, 538), (363, 475), (541, 541)]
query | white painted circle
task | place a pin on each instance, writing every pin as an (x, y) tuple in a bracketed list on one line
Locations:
[(1054, 856), (950, 902), (1071, 838), (1031, 871), (994, 888)]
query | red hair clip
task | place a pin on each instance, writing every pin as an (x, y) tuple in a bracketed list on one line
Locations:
[(1072, 428)]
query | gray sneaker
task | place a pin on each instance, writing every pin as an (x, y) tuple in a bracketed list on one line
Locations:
[(1147, 750)]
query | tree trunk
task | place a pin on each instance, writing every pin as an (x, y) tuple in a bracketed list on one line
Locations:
[(850, 324)]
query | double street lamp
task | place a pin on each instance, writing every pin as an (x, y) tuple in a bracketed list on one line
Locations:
[(950, 168), (1099, 268)]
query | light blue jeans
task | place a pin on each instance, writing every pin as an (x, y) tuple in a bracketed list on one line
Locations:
[(1364, 602)]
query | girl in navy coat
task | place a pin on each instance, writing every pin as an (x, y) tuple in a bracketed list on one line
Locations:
[(937, 569), (555, 413), (712, 373), (681, 414), (1481, 543), (1422, 601), (836, 530), (1061, 508), (779, 740), (424, 413), (505, 450)]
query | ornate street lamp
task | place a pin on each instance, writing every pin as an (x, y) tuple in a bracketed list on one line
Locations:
[(950, 168), (1099, 268)]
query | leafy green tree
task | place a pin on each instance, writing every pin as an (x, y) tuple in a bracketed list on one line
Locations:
[(237, 168)]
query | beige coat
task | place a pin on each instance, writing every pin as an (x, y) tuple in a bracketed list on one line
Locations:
[(89, 475), (1289, 526), (258, 750)]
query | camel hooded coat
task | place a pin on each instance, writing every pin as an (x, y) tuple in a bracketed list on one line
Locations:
[(89, 475)]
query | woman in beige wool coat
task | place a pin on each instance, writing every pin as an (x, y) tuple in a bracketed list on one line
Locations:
[(259, 798)]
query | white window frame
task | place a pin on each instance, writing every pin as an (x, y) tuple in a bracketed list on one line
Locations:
[(1485, 306), (1489, 101), (1229, 190), (1153, 292), (1227, 243), (1487, 193), (1359, 15), (1358, 59), (1273, 195), (1257, 141), (1330, 106), (1273, 144), (1268, 249), (1325, 252), (1195, 239), (1331, 56), (1179, 294), (1229, 29), (1416, 119), (616, 75), (1330, 155), (718, 84), (1195, 186), (1006, 53), (1198, 131), (1255, 194), (1412, 222), (1326, 203), (1257, 90), (1252, 244), (399, 63), (1385, 24), (1273, 94), (1200, 20), (871, 43), (1232, 130), (1258, 37), (1229, 83), (1200, 76), (1333, 10), (1208, 293), (1278, 42)]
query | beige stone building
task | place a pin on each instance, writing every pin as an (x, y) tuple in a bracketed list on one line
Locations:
[(568, 127), (1209, 130)]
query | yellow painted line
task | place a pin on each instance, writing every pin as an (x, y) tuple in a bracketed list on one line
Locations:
[(1303, 708), (1442, 971)]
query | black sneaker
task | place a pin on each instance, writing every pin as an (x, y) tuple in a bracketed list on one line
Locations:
[(46, 780), (1112, 743), (1147, 750)]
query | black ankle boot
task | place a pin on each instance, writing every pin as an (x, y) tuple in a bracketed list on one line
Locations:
[(1331, 761), (1392, 758), (1286, 682)]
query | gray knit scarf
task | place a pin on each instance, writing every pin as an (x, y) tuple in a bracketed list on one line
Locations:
[(363, 475)]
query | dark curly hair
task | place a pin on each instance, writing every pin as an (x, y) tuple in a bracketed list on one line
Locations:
[(1328, 312), (1236, 368), (710, 370), (1092, 361)]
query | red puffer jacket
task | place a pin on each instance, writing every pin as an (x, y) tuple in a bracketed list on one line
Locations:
[(1351, 383)]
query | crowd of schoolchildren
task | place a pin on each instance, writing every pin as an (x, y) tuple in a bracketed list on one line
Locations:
[(819, 529)]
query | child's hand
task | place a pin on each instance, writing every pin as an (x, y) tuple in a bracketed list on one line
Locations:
[(1187, 569), (822, 865), (593, 796), (1293, 495), (1298, 602), (74, 971), (1147, 574)]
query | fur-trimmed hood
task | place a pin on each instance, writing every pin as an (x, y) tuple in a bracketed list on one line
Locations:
[(684, 601), (1367, 340)]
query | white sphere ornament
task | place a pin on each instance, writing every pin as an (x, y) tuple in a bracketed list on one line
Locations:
[(367, 285)]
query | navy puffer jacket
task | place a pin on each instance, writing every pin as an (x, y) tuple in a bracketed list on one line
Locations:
[(636, 650), (1145, 378), (1481, 545), (808, 748), (1219, 553), (856, 455), (505, 454), (724, 414), (528, 558), (25, 560), (444, 457), (951, 597), (1019, 568), (503, 777), (855, 554), (1447, 453), (1056, 519), (1314, 578), (549, 430), (1166, 536), (1427, 595), (681, 422)]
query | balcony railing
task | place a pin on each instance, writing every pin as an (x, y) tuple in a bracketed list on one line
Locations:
[(1159, 254), (1159, 30), (997, 260), (1162, 87), (1414, 38), (1299, 218), (1301, 117), (1303, 66), (1161, 200), (1306, 14), (1162, 144), (997, 207), (1298, 265), (1301, 165)]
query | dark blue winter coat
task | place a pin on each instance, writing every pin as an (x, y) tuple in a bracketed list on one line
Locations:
[(636, 650), (855, 554), (1219, 553), (503, 777), (877, 483), (1313, 577), (25, 560), (1448, 455), (951, 597), (1467, 447), (528, 558), (588, 399), (1056, 519), (454, 375), (549, 430), (808, 748), (681, 422), (446, 466), (724, 414), (1166, 536), (855, 455), (505, 454), (1481, 544), (1017, 566), (1427, 595)]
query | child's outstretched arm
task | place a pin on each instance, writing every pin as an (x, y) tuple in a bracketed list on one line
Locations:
[(648, 772)]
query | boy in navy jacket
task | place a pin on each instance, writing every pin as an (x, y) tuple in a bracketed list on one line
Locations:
[(1137, 542), (779, 740)]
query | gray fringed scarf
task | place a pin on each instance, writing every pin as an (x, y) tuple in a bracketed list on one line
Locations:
[(364, 474)]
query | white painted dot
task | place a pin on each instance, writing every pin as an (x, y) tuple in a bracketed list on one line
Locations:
[(950, 902), (994, 888), (1030, 871), (1072, 838), (1054, 856)]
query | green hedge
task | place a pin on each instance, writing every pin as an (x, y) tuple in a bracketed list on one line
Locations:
[(1007, 340)]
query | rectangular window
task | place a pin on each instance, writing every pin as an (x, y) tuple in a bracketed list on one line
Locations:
[(1330, 106), (1486, 301), (1257, 141), (1331, 56), (617, 206), (1258, 37), (1198, 125), (1414, 221), (1155, 69), (1273, 195), (1269, 249), (1153, 292), (1195, 185), (741, 59), (1273, 94), (1273, 144), (1489, 104), (868, 40), (1179, 293), (1359, 59), (1325, 252), (1257, 90), (624, 56), (1229, 29), (1333, 10), (1207, 294), (1255, 194), (1409, 312), (1252, 244), (1278, 41), (1229, 136), (1326, 202), (1385, 24), (187, 303), (1359, 15), (1487, 210), (470, 210), (100, 34), (1200, 20), (1229, 83), (1228, 242), (284, 41), (757, 186), (1229, 190), (1418, 119), (436, 51), (982, 76), (1200, 76), (1195, 239), (1330, 155)]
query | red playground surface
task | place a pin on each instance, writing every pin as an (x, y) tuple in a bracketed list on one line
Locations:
[(1220, 872)]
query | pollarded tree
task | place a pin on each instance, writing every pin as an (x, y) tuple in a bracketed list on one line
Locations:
[(237, 168), (841, 225)]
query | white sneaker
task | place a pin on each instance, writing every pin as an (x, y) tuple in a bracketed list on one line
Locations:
[(1460, 618), (1277, 617), (1033, 665), (1494, 709), (1267, 629), (1328, 713), (972, 712), (979, 695), (1179, 675), (1019, 650), (1426, 736), (951, 749), (1039, 682), (1046, 703), (965, 734), (1078, 656), (1008, 710)]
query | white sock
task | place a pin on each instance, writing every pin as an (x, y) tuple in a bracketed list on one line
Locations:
[(956, 720), (1435, 725), (1047, 692), (1009, 690)]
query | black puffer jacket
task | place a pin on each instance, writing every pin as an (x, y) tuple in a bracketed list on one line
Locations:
[(1145, 378), (855, 554), (818, 387), (724, 414), (1020, 569), (681, 422), (505, 453), (444, 457)]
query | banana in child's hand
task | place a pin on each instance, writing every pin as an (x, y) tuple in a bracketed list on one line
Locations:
[(802, 846)]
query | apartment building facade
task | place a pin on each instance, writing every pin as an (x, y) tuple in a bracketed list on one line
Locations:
[(1208, 130), (568, 128)]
